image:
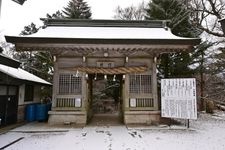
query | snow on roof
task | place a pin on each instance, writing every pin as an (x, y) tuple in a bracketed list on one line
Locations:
[(21, 74), (105, 33), (59, 32), (85, 31)]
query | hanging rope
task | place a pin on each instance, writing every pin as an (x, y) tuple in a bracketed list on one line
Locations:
[(115, 70)]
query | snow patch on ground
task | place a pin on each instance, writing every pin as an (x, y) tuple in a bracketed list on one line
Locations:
[(207, 133)]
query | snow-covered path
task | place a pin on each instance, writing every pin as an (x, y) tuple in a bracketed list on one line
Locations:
[(208, 134)]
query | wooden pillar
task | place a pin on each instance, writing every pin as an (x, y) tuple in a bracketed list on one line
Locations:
[(84, 93), (55, 83), (126, 93), (154, 83)]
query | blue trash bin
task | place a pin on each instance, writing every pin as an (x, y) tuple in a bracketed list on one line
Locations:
[(30, 112), (41, 112)]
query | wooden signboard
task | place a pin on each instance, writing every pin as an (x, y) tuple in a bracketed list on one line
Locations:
[(178, 97)]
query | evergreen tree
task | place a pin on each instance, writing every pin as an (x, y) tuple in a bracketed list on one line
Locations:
[(39, 63), (176, 12), (27, 57), (77, 9), (217, 66), (177, 64), (44, 65), (199, 60)]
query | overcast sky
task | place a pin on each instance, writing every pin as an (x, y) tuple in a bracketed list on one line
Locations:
[(14, 17)]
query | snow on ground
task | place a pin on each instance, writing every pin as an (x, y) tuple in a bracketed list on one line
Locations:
[(206, 133)]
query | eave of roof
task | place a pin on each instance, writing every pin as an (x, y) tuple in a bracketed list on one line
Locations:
[(21, 74), (50, 40), (9, 61)]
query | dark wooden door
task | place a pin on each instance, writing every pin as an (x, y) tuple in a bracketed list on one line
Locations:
[(12, 104), (8, 105), (2, 110)]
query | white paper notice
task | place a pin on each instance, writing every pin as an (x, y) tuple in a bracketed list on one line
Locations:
[(178, 97), (132, 102), (77, 102)]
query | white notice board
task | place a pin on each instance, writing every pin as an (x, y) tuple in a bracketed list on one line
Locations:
[(178, 98)]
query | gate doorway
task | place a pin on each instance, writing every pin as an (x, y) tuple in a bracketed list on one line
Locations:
[(105, 99), (8, 104)]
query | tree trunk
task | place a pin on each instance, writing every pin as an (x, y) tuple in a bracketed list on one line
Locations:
[(202, 82)]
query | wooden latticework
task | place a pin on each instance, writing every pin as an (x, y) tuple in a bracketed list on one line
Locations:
[(115, 70)]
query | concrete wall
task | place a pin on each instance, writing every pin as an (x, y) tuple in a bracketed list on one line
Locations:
[(36, 98), (142, 117), (67, 117), (22, 104)]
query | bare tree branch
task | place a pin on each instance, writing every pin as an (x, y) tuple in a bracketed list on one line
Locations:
[(131, 12), (214, 8), (206, 14)]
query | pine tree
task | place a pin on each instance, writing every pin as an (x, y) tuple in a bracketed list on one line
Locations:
[(39, 63), (177, 64), (77, 9), (43, 62), (27, 57), (176, 12)]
